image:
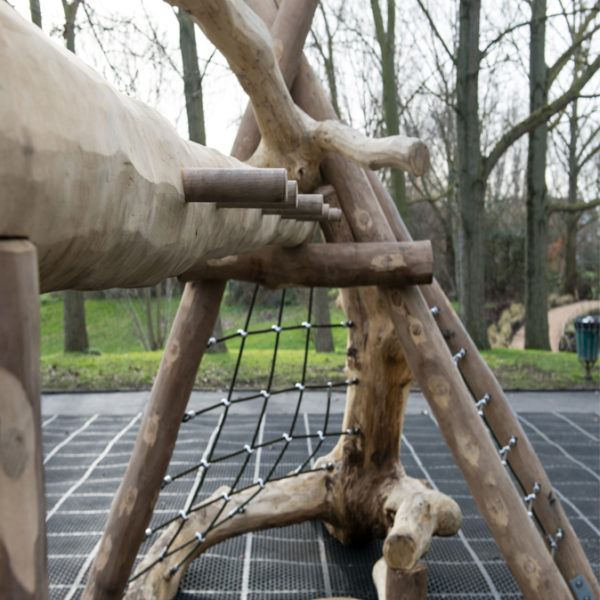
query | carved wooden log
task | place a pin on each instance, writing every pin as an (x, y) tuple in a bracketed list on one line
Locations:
[(93, 177), (237, 186), (23, 566), (325, 265), (570, 557), (132, 507)]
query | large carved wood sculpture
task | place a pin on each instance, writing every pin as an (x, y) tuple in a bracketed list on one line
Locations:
[(109, 170)]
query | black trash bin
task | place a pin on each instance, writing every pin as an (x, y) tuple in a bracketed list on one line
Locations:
[(587, 338)]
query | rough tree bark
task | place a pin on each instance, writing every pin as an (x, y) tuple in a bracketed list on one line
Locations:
[(75, 329), (536, 285), (386, 38), (471, 182)]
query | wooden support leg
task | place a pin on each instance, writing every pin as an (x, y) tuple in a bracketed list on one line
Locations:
[(132, 507), (400, 584), (23, 566)]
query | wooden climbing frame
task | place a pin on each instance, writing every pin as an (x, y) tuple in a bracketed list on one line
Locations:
[(405, 327)]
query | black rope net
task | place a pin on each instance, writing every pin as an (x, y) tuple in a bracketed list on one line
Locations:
[(193, 483), (552, 538)]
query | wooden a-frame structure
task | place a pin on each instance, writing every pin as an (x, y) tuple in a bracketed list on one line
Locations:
[(404, 330)]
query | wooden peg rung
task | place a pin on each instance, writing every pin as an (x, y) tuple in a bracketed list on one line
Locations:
[(245, 188), (307, 205)]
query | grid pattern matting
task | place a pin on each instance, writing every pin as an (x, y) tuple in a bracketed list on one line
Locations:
[(86, 457)]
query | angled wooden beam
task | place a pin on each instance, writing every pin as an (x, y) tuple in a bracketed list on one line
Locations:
[(23, 565), (132, 507), (325, 265)]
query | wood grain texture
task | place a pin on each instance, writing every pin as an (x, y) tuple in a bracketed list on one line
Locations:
[(23, 566), (325, 265), (93, 177)]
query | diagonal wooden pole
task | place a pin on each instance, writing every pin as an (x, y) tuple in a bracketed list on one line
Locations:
[(132, 508), (23, 566)]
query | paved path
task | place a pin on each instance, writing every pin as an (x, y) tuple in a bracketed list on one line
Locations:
[(130, 403), (557, 319)]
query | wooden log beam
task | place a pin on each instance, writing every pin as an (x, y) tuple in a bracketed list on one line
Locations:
[(569, 556), (132, 507), (240, 187), (23, 565), (93, 177), (325, 265), (450, 400)]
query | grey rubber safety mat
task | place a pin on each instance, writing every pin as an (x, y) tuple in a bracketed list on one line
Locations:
[(87, 455)]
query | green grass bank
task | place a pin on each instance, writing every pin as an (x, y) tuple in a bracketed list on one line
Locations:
[(117, 359)]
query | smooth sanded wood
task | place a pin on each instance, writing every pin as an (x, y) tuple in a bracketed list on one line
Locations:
[(244, 187), (431, 363), (132, 507), (23, 566), (306, 205), (325, 265), (93, 177), (570, 557)]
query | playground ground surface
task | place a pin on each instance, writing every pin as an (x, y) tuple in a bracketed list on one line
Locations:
[(88, 439)]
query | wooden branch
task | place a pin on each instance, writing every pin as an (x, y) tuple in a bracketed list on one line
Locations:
[(325, 265), (289, 137), (539, 116), (576, 207), (280, 503), (23, 566), (93, 177), (132, 507), (241, 187)]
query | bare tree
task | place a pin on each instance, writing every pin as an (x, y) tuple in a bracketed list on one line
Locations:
[(76, 337)]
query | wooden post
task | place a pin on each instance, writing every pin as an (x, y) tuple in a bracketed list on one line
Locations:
[(23, 566), (325, 265), (132, 507), (570, 557), (400, 584)]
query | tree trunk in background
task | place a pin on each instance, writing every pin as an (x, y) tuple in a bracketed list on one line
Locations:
[(387, 46), (471, 181), (536, 287), (323, 335), (76, 337), (572, 219), (194, 106), (36, 12)]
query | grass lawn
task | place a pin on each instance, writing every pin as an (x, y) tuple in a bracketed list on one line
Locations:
[(117, 359)]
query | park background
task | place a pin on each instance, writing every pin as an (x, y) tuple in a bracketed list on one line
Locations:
[(515, 233)]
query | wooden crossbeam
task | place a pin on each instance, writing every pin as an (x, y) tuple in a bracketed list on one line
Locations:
[(325, 265)]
